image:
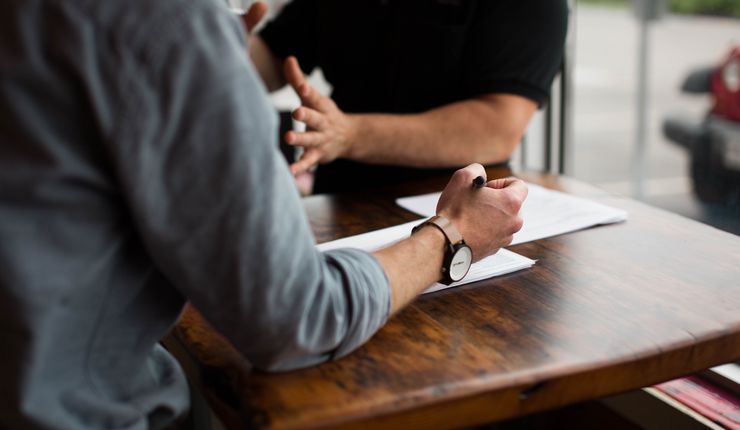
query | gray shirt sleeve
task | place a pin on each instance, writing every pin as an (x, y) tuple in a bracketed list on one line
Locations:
[(195, 151)]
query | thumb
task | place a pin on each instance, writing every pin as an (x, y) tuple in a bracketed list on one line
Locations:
[(501, 183), (293, 73), (254, 15)]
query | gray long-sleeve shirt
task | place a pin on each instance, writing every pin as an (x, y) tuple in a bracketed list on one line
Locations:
[(139, 169)]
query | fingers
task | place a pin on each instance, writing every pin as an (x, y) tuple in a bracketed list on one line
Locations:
[(466, 175), (307, 160), (474, 170), (514, 192), (254, 15), (501, 182), (293, 73), (518, 224), (308, 94), (506, 241), (517, 188), (310, 97), (312, 118), (307, 139)]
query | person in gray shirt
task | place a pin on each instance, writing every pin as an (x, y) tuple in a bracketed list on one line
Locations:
[(139, 169)]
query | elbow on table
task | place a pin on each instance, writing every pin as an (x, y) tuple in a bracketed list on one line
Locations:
[(308, 323), (278, 364), (282, 354), (280, 343)]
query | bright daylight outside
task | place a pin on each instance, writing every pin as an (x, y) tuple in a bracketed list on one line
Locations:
[(691, 141)]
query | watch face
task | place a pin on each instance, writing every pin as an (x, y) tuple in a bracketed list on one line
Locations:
[(460, 263)]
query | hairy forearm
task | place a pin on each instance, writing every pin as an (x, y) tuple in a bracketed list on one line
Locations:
[(481, 130), (412, 265)]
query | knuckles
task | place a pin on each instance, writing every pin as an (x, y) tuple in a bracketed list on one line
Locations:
[(468, 173), (510, 203), (506, 241), (517, 224)]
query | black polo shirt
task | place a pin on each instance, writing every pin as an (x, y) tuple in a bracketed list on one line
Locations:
[(408, 56)]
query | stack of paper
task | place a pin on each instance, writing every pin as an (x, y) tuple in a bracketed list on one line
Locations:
[(545, 212), (501, 263)]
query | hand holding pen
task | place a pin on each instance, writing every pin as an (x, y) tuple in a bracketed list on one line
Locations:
[(486, 213)]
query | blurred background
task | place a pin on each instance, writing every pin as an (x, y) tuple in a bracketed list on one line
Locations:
[(627, 63), (685, 36)]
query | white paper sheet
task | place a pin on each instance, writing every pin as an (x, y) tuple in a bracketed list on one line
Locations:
[(545, 212), (501, 263)]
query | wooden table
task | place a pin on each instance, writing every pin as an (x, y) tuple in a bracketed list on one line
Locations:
[(604, 310)]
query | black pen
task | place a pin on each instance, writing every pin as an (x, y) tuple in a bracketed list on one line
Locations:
[(479, 182)]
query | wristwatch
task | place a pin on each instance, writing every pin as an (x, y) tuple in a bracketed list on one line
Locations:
[(458, 255)]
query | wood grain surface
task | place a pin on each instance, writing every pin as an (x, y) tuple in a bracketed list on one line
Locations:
[(604, 310)]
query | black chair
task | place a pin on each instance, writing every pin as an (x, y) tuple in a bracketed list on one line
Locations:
[(558, 113)]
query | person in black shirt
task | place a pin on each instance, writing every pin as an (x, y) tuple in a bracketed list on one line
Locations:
[(419, 86)]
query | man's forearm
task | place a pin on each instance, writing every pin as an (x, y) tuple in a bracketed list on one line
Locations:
[(412, 265), (483, 130)]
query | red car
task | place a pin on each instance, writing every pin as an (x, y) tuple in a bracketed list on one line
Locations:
[(713, 141)]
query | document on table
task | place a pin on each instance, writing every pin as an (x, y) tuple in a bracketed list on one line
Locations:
[(545, 212), (501, 263)]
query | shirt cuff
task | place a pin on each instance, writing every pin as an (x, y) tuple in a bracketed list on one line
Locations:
[(367, 289)]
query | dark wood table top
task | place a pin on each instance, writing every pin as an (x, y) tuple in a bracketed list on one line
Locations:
[(604, 310)]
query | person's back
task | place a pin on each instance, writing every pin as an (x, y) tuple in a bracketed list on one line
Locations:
[(139, 167), (76, 285)]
